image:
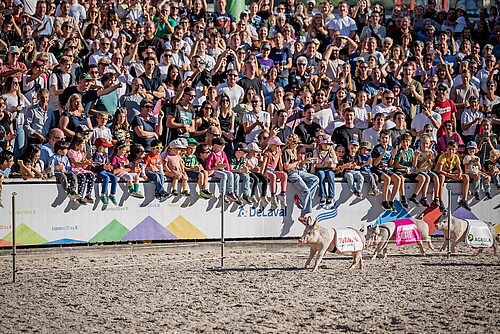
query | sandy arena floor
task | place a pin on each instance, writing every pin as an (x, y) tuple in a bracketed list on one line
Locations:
[(262, 289)]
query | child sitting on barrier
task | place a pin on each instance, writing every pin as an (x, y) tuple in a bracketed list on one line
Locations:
[(154, 169), (174, 167), (253, 164), (101, 131), (325, 162), (477, 178), (81, 167), (491, 167), (30, 165), (448, 168), (136, 159), (365, 162), (6, 163), (404, 164), (425, 157), (238, 165), (61, 169), (217, 161), (272, 168), (382, 155), (104, 171), (195, 170), (352, 174), (122, 169)]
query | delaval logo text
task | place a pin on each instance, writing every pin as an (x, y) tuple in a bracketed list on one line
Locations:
[(251, 212)]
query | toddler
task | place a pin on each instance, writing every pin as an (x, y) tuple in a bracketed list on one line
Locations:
[(6, 163), (174, 168), (60, 167), (351, 170), (272, 168), (325, 162), (473, 169), (195, 170), (81, 165), (104, 171), (364, 160), (154, 169), (253, 165), (123, 169), (425, 157)]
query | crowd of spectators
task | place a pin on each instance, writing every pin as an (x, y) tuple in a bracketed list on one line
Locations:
[(289, 91)]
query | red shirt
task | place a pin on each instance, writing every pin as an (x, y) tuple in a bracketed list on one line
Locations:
[(445, 109), (17, 66)]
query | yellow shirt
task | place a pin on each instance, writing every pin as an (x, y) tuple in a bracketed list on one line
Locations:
[(448, 162)]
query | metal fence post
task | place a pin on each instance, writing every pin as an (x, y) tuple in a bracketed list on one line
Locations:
[(222, 231), (14, 237), (448, 237)]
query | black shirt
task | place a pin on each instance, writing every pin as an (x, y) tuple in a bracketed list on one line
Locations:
[(87, 97), (343, 135)]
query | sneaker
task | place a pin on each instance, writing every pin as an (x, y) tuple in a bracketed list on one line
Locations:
[(265, 200), (104, 200), (464, 205), (358, 194), (488, 196), (377, 191), (207, 193), (157, 195), (254, 199), (113, 200), (385, 205), (175, 192), (89, 199), (322, 201), (413, 199), (74, 195), (436, 201), (238, 202), (304, 220), (136, 194), (441, 206), (404, 203), (81, 201), (233, 197), (246, 199), (164, 195), (274, 201), (227, 200), (476, 196), (423, 201), (329, 201), (393, 208), (371, 192), (282, 199), (185, 193), (298, 202)]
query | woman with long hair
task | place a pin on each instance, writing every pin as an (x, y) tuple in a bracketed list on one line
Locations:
[(227, 120), (112, 30), (271, 87), (173, 81), (30, 165), (91, 33), (450, 133), (74, 116), (28, 53), (205, 118), (120, 128)]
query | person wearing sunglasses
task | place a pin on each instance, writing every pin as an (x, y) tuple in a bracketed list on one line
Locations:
[(182, 120), (234, 91), (154, 169), (146, 125), (445, 107)]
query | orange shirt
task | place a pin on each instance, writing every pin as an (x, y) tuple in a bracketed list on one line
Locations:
[(152, 160)]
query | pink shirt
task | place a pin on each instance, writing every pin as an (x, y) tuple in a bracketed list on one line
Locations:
[(217, 158)]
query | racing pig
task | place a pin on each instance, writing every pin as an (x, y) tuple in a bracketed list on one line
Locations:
[(322, 239), (458, 231), (381, 235)]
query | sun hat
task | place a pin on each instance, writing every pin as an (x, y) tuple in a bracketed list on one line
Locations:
[(366, 144), (253, 147), (471, 144), (192, 141), (293, 139), (176, 144)]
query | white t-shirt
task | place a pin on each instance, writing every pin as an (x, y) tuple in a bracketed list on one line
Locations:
[(235, 93), (420, 121), (249, 118), (54, 100), (467, 117), (371, 136), (361, 116), (345, 25), (386, 110), (324, 118)]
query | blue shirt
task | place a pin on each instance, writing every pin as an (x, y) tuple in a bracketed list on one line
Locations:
[(57, 159)]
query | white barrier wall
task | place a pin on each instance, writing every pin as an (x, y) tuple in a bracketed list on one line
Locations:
[(45, 216)]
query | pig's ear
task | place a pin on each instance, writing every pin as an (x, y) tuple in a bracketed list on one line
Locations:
[(377, 230)]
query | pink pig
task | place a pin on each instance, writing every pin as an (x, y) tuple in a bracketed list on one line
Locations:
[(321, 240)]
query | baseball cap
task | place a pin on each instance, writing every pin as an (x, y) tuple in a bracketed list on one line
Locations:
[(192, 141), (218, 141), (177, 144), (253, 147), (275, 140), (471, 144), (85, 76), (14, 49), (242, 147), (82, 129), (102, 142), (354, 142), (442, 84), (266, 46)]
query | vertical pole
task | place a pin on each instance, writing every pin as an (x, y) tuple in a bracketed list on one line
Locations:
[(14, 237), (448, 237), (222, 231)]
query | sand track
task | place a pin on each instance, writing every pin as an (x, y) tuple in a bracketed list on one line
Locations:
[(181, 289)]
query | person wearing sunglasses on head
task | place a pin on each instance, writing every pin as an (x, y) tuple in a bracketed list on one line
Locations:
[(147, 126)]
